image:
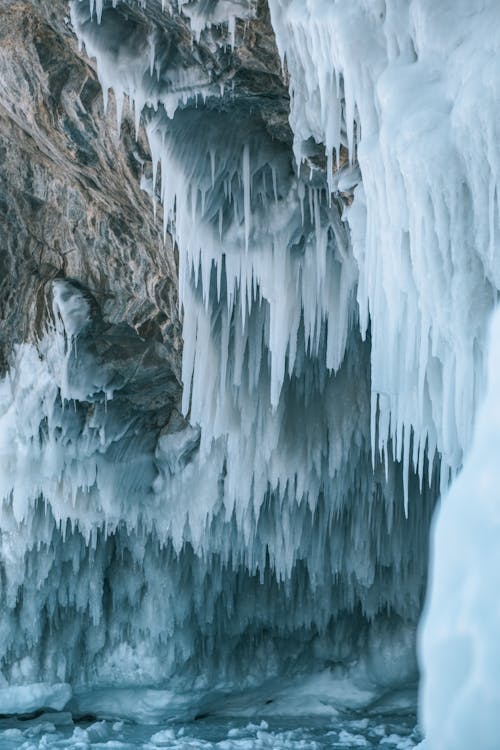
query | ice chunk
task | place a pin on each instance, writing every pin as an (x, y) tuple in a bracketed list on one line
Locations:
[(165, 737)]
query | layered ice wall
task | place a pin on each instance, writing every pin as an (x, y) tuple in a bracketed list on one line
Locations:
[(334, 312), (459, 650), (273, 367)]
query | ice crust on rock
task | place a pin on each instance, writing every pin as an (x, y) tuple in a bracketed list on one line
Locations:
[(203, 15), (248, 228), (145, 65)]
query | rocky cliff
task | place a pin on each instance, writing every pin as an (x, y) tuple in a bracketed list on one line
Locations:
[(70, 185), (71, 199)]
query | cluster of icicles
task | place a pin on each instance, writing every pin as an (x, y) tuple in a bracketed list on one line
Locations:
[(421, 274), (333, 356)]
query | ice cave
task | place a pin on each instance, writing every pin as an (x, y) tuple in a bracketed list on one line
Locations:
[(249, 374)]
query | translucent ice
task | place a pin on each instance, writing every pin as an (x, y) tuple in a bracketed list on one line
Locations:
[(27, 698), (459, 648)]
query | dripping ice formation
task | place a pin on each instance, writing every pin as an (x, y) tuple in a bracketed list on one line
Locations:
[(334, 335), (418, 93), (417, 90), (116, 542)]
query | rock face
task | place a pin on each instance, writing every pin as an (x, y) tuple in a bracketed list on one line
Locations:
[(71, 201), (70, 179)]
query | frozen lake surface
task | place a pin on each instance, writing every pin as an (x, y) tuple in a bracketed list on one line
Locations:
[(59, 731)]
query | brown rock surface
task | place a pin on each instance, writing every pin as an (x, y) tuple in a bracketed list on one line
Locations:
[(70, 197), (70, 201)]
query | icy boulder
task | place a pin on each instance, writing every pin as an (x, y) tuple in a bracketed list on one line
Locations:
[(459, 643)]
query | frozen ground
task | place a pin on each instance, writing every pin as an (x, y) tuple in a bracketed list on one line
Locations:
[(58, 731)]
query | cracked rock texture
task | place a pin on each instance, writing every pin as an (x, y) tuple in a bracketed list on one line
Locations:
[(70, 196), (70, 199)]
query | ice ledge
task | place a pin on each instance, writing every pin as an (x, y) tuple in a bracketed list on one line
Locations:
[(24, 699)]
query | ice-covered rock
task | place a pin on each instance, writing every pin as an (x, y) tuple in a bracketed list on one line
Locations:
[(408, 90)]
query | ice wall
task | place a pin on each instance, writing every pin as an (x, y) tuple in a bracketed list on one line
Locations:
[(267, 284), (459, 651), (124, 562)]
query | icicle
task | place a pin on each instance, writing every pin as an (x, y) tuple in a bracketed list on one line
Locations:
[(291, 433), (275, 182), (119, 97), (246, 192), (232, 30), (152, 53)]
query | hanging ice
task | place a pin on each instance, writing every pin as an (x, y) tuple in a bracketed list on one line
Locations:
[(415, 87), (333, 360), (418, 90)]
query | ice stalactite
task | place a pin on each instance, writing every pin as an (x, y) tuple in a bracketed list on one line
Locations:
[(409, 90), (117, 542)]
